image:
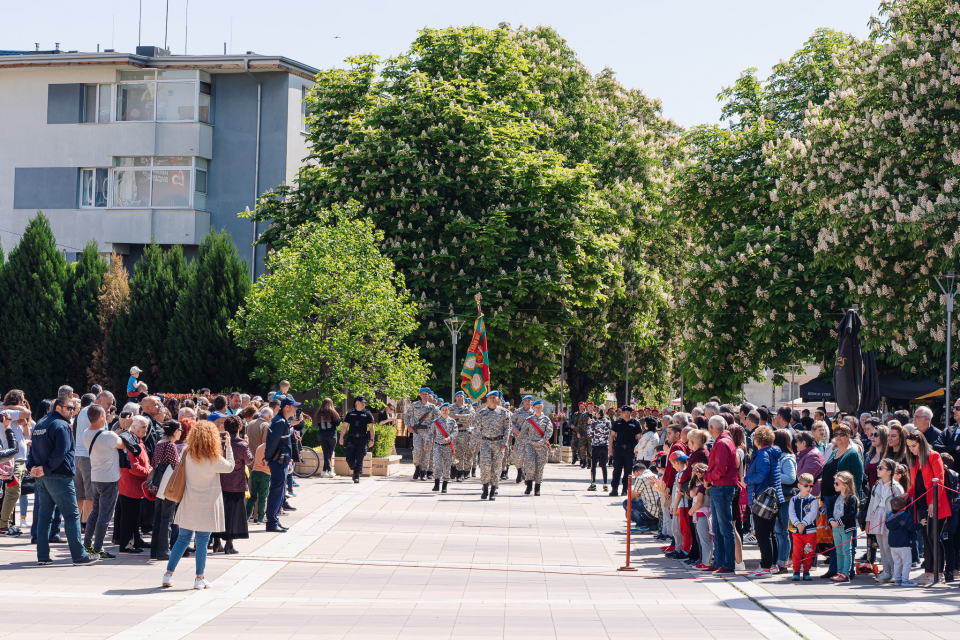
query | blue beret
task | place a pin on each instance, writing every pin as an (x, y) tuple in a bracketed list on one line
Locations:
[(494, 393), (536, 402), (459, 393), (424, 389), (528, 397), (445, 404)]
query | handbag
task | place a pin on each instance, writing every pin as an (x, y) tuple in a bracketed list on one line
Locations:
[(178, 481), (824, 531), (765, 503)]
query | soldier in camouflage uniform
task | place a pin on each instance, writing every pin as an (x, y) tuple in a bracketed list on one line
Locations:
[(583, 435), (519, 417), (443, 446), (535, 446), (574, 437), (493, 429), (463, 413), (419, 418)]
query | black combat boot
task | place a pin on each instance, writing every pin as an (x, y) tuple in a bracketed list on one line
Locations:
[(485, 494), (473, 472), (416, 473), (519, 476), (436, 485), (503, 474), (493, 493), (461, 475), (529, 487), (444, 489), (429, 475), (536, 489)]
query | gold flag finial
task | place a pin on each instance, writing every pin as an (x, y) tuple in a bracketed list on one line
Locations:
[(477, 297)]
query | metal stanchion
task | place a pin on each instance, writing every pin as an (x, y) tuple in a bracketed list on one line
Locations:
[(627, 566), (936, 531)]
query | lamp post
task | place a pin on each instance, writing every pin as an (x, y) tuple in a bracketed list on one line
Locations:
[(454, 324), (793, 382), (626, 379), (948, 284), (563, 374)]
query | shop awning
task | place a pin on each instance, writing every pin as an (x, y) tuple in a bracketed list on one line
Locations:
[(893, 386)]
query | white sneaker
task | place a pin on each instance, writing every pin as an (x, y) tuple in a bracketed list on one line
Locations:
[(740, 566), (749, 539), (759, 573), (167, 580), (201, 583), (23, 523)]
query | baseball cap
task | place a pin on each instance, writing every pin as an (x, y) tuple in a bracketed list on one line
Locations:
[(679, 455), (626, 407), (287, 401), (134, 370), (357, 399)]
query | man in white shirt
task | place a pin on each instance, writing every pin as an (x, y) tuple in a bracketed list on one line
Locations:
[(101, 445)]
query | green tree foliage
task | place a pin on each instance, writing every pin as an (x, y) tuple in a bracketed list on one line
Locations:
[(881, 163), (82, 328), (496, 164), (752, 295), (332, 313), (199, 350), (111, 304), (33, 284), (138, 336)]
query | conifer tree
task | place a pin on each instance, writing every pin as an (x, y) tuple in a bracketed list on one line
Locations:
[(82, 327), (32, 285), (111, 304), (200, 350)]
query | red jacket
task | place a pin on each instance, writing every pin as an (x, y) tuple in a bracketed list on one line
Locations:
[(722, 463), (933, 469), (131, 480), (670, 474), (698, 456)]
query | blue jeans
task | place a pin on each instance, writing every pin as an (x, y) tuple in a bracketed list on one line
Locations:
[(783, 534), (57, 491), (278, 481), (721, 514), (640, 516), (54, 527), (180, 546)]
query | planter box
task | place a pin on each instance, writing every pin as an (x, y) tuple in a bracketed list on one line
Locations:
[(567, 455), (389, 466), (341, 468), (555, 455)]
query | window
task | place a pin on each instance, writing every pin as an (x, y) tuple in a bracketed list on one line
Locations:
[(96, 102), (94, 187), (163, 96), (304, 90), (163, 182)]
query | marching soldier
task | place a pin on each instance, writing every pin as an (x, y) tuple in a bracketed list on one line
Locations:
[(533, 434), (442, 433), (574, 435), (493, 429), (475, 440), (462, 412), (583, 435), (519, 417), (419, 417)]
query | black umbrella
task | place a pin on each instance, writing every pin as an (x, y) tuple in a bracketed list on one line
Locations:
[(870, 387), (848, 372)]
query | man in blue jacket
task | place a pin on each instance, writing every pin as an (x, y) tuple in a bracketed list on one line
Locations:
[(278, 451), (51, 462)]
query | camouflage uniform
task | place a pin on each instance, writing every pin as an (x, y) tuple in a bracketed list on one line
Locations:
[(465, 442), (419, 417), (519, 417), (442, 452), (584, 448), (492, 430), (535, 447)]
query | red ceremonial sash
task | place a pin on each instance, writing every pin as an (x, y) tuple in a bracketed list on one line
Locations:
[(444, 433), (535, 426)]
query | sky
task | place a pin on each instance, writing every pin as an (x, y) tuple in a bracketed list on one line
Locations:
[(681, 51)]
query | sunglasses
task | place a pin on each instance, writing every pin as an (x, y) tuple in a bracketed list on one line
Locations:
[(837, 482), (803, 484)]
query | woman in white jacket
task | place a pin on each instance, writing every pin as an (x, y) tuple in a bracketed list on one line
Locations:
[(207, 455), (646, 448)]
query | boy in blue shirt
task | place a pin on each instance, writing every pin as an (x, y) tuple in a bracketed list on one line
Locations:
[(902, 529), (132, 391)]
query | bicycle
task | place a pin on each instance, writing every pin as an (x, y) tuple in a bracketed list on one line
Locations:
[(309, 463)]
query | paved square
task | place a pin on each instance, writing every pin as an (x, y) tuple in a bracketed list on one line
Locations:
[(389, 558)]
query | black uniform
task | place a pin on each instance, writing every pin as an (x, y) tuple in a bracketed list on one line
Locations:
[(357, 425), (624, 441)]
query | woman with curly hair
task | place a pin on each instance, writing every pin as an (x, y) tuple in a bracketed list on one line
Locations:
[(207, 455)]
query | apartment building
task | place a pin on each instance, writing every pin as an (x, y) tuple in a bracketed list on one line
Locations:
[(126, 149)]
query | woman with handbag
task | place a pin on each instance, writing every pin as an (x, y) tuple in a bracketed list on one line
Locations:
[(131, 490), (196, 485), (926, 465), (166, 457), (234, 487), (766, 495)]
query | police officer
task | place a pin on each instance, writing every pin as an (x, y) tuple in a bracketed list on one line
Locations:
[(278, 450), (624, 435), (419, 417), (360, 434), (493, 429), (533, 434), (462, 412), (443, 432), (519, 417)]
